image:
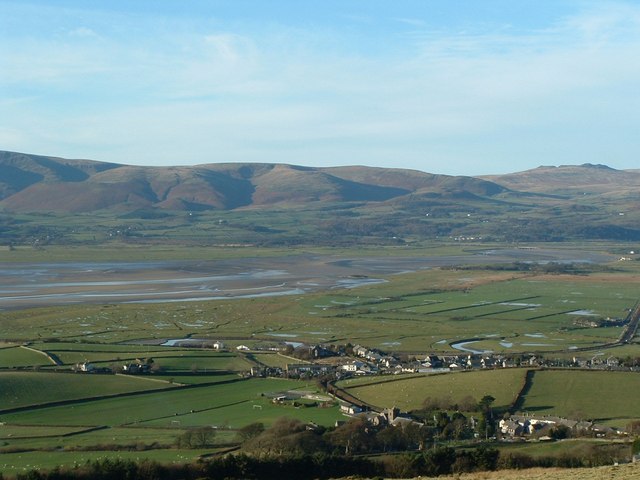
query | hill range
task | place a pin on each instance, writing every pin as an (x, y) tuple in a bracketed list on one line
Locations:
[(372, 204)]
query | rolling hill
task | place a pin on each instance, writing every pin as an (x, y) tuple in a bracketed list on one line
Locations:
[(30, 183), (278, 203)]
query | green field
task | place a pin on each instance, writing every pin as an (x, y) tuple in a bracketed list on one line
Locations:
[(227, 404), (414, 314), (607, 397), (18, 356), (409, 392), (21, 389)]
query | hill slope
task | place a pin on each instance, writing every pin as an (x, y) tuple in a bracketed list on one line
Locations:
[(287, 204), (35, 184)]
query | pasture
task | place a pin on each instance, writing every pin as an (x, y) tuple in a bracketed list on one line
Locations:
[(226, 404), (21, 389), (425, 311), (409, 392), (606, 397), (19, 356)]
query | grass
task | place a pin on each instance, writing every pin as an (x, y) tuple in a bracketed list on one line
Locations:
[(208, 405), (408, 393), (423, 311), (568, 446), (621, 472), (420, 312), (20, 389), (14, 463), (272, 359), (607, 397), (37, 431), (17, 356)]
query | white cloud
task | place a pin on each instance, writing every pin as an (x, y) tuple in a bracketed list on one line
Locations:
[(83, 32), (218, 94)]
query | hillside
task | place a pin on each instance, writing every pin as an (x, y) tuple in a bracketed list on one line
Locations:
[(32, 183), (621, 472), (571, 179), (288, 204)]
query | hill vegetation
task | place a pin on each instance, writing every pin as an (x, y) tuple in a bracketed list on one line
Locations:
[(53, 200)]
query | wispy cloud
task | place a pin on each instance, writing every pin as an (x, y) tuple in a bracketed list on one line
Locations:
[(173, 90)]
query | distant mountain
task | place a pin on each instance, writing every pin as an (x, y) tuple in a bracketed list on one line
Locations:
[(571, 179), (30, 183), (255, 203)]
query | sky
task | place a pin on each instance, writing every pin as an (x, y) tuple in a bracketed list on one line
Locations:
[(460, 87)]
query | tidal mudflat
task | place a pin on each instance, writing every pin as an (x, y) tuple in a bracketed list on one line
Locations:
[(27, 285)]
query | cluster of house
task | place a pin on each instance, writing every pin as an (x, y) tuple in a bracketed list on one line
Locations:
[(371, 362), (365, 361), (388, 416), (137, 367), (532, 425)]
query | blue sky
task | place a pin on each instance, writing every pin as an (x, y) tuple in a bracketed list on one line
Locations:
[(463, 87)]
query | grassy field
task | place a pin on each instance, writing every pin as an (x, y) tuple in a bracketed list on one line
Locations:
[(224, 404), (409, 392), (607, 397), (420, 312), (21, 389), (18, 356)]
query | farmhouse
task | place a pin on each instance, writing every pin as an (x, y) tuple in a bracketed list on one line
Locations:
[(307, 369), (352, 367), (350, 409), (518, 425), (86, 367)]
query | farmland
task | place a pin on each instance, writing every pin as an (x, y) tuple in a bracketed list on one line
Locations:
[(446, 310), (408, 392), (21, 389), (573, 394)]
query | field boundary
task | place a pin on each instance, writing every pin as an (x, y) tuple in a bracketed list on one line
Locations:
[(518, 401), (53, 359), (77, 401)]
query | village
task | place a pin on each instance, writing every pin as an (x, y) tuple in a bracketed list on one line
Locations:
[(330, 363)]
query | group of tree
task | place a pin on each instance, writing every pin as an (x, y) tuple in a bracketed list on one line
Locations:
[(431, 463)]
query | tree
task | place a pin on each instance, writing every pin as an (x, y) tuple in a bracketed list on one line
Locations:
[(196, 438), (250, 431), (633, 428), (354, 437), (559, 432), (485, 403), (203, 437)]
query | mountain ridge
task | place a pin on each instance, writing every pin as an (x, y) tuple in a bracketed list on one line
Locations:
[(281, 204), (36, 183)]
